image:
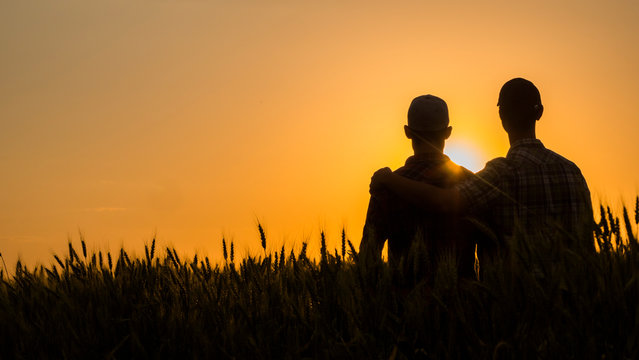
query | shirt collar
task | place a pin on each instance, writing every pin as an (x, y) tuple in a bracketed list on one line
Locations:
[(426, 157), (526, 142)]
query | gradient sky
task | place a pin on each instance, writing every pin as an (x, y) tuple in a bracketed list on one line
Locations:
[(193, 120)]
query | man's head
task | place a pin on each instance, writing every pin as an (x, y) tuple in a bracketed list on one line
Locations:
[(519, 105), (428, 123)]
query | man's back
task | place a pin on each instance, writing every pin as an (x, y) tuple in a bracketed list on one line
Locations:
[(533, 188), (402, 224)]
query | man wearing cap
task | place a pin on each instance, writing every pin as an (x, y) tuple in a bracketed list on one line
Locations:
[(405, 225), (532, 190)]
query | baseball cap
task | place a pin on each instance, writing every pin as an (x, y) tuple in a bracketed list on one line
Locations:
[(428, 113), (519, 92)]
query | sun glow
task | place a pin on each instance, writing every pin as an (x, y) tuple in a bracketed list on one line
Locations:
[(465, 154), (156, 117)]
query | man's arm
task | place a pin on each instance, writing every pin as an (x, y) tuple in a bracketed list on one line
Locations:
[(374, 234), (375, 228), (425, 196)]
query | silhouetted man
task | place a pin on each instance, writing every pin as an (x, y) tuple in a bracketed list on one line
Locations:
[(531, 190), (405, 225)]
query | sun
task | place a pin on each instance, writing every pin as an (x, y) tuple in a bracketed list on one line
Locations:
[(464, 154)]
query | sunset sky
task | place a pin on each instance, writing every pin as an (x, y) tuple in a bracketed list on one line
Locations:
[(193, 120)]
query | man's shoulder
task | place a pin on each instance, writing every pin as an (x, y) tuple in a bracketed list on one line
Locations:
[(498, 161), (441, 171), (561, 159), (464, 173), (416, 167), (458, 173), (542, 155), (499, 164), (555, 163)]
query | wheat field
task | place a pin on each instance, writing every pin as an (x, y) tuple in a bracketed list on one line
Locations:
[(544, 300)]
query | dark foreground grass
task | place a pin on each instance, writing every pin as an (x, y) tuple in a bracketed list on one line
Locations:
[(543, 301)]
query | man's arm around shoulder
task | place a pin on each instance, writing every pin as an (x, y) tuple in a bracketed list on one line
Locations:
[(425, 196)]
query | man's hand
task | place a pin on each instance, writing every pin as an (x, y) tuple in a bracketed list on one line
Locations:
[(379, 179)]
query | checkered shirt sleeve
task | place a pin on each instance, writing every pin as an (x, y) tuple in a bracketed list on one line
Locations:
[(484, 189)]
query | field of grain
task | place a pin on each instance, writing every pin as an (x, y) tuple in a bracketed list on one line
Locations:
[(543, 301)]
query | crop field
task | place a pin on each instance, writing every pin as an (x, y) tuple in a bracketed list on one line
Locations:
[(543, 301)]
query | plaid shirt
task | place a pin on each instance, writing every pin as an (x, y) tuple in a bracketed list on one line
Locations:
[(389, 217), (532, 188)]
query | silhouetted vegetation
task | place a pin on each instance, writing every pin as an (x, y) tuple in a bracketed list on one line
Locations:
[(543, 301)]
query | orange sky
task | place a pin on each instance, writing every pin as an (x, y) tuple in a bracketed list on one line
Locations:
[(192, 119)]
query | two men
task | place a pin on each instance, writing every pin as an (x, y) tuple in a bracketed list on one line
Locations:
[(531, 190), (405, 225)]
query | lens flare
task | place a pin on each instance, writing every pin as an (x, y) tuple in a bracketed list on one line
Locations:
[(465, 154)]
